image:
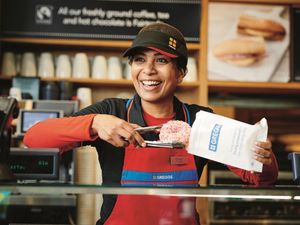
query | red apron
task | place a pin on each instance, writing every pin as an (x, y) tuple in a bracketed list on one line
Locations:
[(156, 167)]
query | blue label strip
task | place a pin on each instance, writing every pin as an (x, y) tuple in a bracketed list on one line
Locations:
[(187, 175), (214, 137)]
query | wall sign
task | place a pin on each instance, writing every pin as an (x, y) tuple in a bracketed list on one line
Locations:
[(96, 19)]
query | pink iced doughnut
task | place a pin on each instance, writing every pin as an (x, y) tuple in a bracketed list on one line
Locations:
[(175, 130)]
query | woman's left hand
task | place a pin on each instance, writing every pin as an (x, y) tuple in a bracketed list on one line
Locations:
[(263, 152)]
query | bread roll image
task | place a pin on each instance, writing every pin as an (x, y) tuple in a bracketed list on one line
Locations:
[(240, 51), (255, 26)]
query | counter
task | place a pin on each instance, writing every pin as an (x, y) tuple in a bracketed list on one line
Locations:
[(227, 204), (279, 192)]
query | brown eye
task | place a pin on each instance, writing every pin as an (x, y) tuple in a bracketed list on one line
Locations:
[(138, 59)]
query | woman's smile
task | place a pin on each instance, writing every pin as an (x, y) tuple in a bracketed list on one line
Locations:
[(150, 85)]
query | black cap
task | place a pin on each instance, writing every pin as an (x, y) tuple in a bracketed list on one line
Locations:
[(162, 38)]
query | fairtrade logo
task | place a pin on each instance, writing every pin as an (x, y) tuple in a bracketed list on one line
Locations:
[(172, 43), (43, 14)]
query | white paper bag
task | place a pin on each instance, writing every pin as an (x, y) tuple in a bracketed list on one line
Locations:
[(226, 140)]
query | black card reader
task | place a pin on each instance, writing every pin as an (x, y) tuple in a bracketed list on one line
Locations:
[(34, 163)]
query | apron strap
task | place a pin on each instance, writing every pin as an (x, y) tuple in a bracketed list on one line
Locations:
[(186, 113), (129, 104)]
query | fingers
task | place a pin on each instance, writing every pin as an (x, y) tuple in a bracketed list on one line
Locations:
[(113, 139), (264, 144), (116, 131), (132, 136), (263, 152)]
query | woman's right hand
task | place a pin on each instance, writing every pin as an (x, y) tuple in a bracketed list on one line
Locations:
[(116, 131)]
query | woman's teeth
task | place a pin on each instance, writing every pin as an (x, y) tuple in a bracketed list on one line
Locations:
[(150, 82)]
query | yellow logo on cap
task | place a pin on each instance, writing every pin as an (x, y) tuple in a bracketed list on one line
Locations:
[(172, 43)]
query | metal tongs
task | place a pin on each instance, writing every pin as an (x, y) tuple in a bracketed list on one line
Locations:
[(158, 144), (143, 130)]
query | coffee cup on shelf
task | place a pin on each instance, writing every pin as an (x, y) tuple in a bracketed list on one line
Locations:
[(81, 68), (66, 90), (99, 67), (114, 68), (127, 71), (63, 66), (8, 64), (28, 65), (191, 70), (46, 65), (50, 91), (84, 95)]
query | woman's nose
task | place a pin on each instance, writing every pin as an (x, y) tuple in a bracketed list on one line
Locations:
[(149, 68)]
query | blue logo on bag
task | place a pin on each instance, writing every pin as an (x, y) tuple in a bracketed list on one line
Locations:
[(214, 137)]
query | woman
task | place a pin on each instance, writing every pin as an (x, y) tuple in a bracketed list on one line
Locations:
[(158, 58)]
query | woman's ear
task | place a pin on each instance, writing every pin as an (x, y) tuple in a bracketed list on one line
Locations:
[(181, 75)]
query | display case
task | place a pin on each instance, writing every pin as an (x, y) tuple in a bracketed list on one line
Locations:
[(232, 198)]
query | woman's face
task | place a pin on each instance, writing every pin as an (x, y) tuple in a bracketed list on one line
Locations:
[(155, 76)]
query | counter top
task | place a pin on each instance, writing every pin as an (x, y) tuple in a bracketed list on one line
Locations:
[(282, 192)]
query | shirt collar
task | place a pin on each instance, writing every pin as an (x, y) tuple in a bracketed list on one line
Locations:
[(136, 114)]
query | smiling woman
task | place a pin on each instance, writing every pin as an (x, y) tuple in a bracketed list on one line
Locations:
[(158, 58)]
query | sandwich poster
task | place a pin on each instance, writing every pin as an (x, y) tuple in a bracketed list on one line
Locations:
[(248, 42)]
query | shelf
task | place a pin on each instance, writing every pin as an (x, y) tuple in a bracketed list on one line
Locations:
[(214, 86), (285, 2), (254, 87), (81, 42), (108, 83), (250, 102)]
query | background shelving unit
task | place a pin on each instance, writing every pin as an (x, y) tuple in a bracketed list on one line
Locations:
[(92, 48)]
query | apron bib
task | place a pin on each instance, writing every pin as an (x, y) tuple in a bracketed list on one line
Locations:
[(156, 167)]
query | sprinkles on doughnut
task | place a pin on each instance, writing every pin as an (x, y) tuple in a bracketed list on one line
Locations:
[(175, 131)]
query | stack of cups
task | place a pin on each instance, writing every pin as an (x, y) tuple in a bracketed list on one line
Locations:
[(46, 65), (63, 66), (127, 72), (81, 68), (50, 91), (84, 95), (99, 67), (192, 70), (86, 159), (28, 65), (66, 90), (114, 68), (8, 64)]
